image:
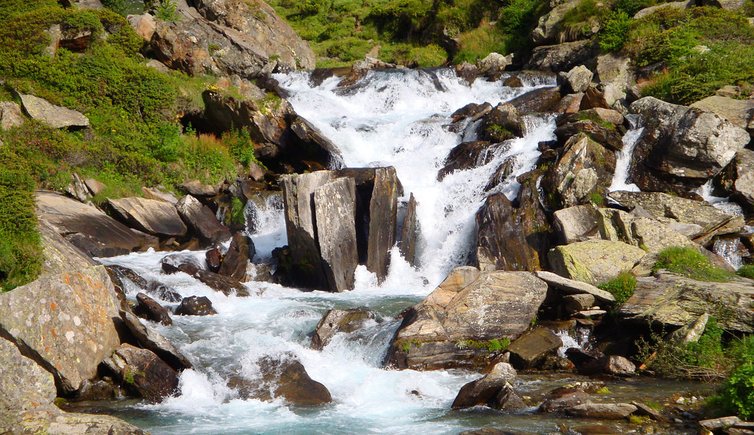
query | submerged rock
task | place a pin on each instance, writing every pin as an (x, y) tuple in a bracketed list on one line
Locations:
[(195, 306), (336, 321)]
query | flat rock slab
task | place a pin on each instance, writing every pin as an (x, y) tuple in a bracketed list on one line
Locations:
[(594, 261), (530, 348), (573, 287), (675, 301), (154, 217), (608, 411), (104, 234), (54, 116)]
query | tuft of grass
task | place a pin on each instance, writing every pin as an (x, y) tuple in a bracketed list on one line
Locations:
[(493, 345), (622, 287), (691, 263), (746, 271)]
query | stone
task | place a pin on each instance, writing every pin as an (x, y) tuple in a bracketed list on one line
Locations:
[(605, 411), (225, 284), (99, 235), (485, 390), (214, 259), (77, 189), (144, 25), (532, 347), (195, 306), (645, 410), (577, 79), (615, 75), (159, 195), (322, 149), (561, 57), (619, 366), (738, 178), (501, 123), (143, 372), (681, 147), (335, 207), (153, 217), (594, 99), (72, 305), (150, 309), (589, 122), (467, 155), (294, 384), (542, 100), (549, 26), (739, 112), (570, 103), (11, 115), (460, 322), (196, 189), (95, 187), (383, 209), (577, 223), (713, 424), (573, 287), (494, 64), (594, 261), (51, 115), (339, 321), (578, 302), (202, 221), (409, 232), (674, 301), (670, 5), (148, 338), (236, 260)]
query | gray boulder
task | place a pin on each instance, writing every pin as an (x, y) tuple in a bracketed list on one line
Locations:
[(577, 223), (383, 209), (51, 115), (616, 76), (594, 261), (561, 57), (739, 112), (605, 411), (549, 25), (154, 217), (494, 64), (202, 221), (577, 79), (487, 390), (669, 5), (11, 115)]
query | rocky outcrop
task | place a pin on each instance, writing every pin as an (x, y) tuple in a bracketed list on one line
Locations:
[(51, 115), (339, 321), (594, 261), (561, 57), (229, 37), (195, 306), (681, 147), (202, 221), (491, 390), (151, 216), (236, 260), (674, 301), (461, 322), (89, 229), (72, 305), (142, 372)]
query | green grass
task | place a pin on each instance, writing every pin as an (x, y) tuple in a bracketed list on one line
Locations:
[(689, 262), (493, 345), (621, 287), (747, 271)]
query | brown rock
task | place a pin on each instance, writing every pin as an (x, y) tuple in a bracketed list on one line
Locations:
[(606, 411), (383, 209), (143, 372), (214, 259), (236, 260), (148, 338), (154, 217), (201, 220), (195, 306), (537, 101), (485, 391), (150, 309), (530, 348)]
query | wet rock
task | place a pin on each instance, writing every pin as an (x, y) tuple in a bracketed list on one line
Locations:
[(471, 112), (461, 322), (148, 338), (645, 410), (541, 100), (89, 229), (202, 221), (576, 224), (383, 209), (502, 123), (335, 209), (409, 232), (561, 57), (99, 389), (195, 306), (681, 147), (150, 309), (605, 411), (214, 259), (484, 391), (619, 366), (336, 321), (163, 292), (292, 382), (154, 217), (564, 398), (738, 178), (11, 115), (590, 123), (215, 281), (532, 347), (467, 155), (143, 372), (236, 261), (577, 79), (674, 301), (594, 261), (51, 115), (72, 305), (513, 82), (572, 287)]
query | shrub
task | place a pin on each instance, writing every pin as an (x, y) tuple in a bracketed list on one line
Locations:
[(167, 10), (614, 33), (747, 271), (622, 287), (689, 262)]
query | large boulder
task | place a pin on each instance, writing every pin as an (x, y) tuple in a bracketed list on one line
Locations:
[(283, 377), (540, 100), (594, 261), (739, 112), (577, 79), (71, 307), (738, 178), (202, 221), (548, 30), (674, 301), (143, 372), (561, 57), (27, 392), (462, 322), (615, 75), (383, 209), (229, 37), (89, 229), (336, 321), (409, 232), (236, 260), (51, 115), (486, 390), (150, 309), (225, 284), (195, 306), (151, 216), (576, 224), (335, 214), (681, 147)]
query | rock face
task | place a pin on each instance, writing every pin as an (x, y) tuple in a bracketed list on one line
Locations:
[(681, 147), (594, 261), (74, 300), (227, 37), (151, 216), (383, 209), (143, 372), (459, 323), (675, 301), (336, 321), (335, 214), (51, 115), (92, 231), (487, 390), (27, 392), (202, 221)]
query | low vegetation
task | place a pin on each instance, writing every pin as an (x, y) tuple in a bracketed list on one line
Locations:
[(691, 263), (621, 287)]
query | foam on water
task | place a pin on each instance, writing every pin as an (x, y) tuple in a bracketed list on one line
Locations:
[(623, 163)]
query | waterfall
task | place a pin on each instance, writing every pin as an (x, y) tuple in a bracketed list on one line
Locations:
[(623, 163), (719, 202)]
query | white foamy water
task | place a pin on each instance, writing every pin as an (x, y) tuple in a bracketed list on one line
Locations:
[(620, 180), (398, 119)]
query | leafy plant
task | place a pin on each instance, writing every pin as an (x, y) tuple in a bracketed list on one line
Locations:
[(614, 33), (167, 10), (689, 262)]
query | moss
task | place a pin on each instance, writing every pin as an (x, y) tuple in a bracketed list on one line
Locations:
[(604, 391), (622, 287), (689, 262), (746, 271), (406, 345), (493, 345), (237, 211)]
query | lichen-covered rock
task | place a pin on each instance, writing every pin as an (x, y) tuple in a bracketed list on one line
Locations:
[(567, 286), (51, 115), (739, 112), (461, 323), (577, 223), (65, 317), (594, 261), (151, 216), (10, 115)]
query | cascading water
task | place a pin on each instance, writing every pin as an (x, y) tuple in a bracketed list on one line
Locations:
[(623, 163), (390, 118)]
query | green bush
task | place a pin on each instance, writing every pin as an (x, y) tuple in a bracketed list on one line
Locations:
[(736, 395), (689, 262), (747, 271), (614, 33), (621, 287)]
